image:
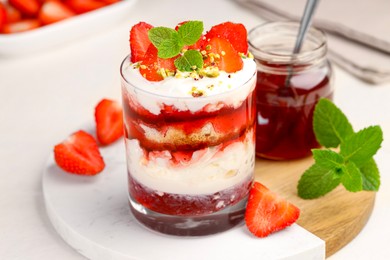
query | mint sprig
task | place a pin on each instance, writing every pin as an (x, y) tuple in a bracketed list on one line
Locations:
[(353, 166), (170, 43)]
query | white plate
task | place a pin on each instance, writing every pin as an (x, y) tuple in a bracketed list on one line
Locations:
[(92, 214), (64, 31)]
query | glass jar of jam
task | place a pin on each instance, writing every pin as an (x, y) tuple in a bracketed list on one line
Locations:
[(288, 88)]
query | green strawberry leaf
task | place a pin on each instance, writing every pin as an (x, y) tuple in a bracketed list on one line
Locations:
[(330, 125)]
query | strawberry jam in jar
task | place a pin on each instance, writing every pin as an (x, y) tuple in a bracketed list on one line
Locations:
[(288, 88), (190, 133)]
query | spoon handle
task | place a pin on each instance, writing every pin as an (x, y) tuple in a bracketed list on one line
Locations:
[(305, 23)]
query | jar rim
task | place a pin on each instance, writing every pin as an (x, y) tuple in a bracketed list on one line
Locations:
[(305, 55)]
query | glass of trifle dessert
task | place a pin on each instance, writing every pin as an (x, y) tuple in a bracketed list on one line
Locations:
[(189, 122)]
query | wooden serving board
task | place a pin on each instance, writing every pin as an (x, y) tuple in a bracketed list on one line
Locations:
[(336, 218)]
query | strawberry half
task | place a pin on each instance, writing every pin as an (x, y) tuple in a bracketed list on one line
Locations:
[(53, 11), (228, 58), (139, 41), (21, 26), (79, 154), (235, 33), (266, 212), (109, 121), (26, 7), (151, 64)]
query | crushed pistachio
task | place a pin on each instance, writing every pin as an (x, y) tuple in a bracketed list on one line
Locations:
[(195, 92), (162, 72), (210, 71), (210, 86)]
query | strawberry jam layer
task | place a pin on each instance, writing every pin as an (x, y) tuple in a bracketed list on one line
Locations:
[(184, 204)]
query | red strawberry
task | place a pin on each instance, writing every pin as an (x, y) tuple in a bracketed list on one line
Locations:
[(21, 26), (109, 121), (83, 6), (266, 212), (139, 41), (13, 14), (108, 2), (229, 60), (26, 7), (3, 16), (151, 64), (79, 154), (235, 33), (53, 11)]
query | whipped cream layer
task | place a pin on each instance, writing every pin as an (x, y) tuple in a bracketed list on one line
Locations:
[(229, 89), (210, 170)]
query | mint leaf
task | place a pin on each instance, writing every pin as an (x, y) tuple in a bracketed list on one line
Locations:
[(330, 125), (353, 166), (190, 61), (360, 147), (159, 34), (328, 158), (370, 175), (352, 178), (317, 181), (170, 48), (190, 32)]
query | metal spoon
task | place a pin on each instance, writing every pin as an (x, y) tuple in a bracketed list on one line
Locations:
[(303, 28)]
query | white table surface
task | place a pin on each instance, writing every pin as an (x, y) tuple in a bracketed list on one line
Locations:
[(48, 95)]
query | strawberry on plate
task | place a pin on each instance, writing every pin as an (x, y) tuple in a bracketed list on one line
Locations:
[(235, 33), (27, 7), (79, 154), (139, 41), (109, 121), (83, 6), (266, 212), (21, 26), (13, 14), (53, 11), (3, 15), (227, 58)]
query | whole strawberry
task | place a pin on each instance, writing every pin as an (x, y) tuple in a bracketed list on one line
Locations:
[(79, 154), (266, 212)]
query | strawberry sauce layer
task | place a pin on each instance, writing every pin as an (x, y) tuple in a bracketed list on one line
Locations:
[(187, 205), (185, 131)]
